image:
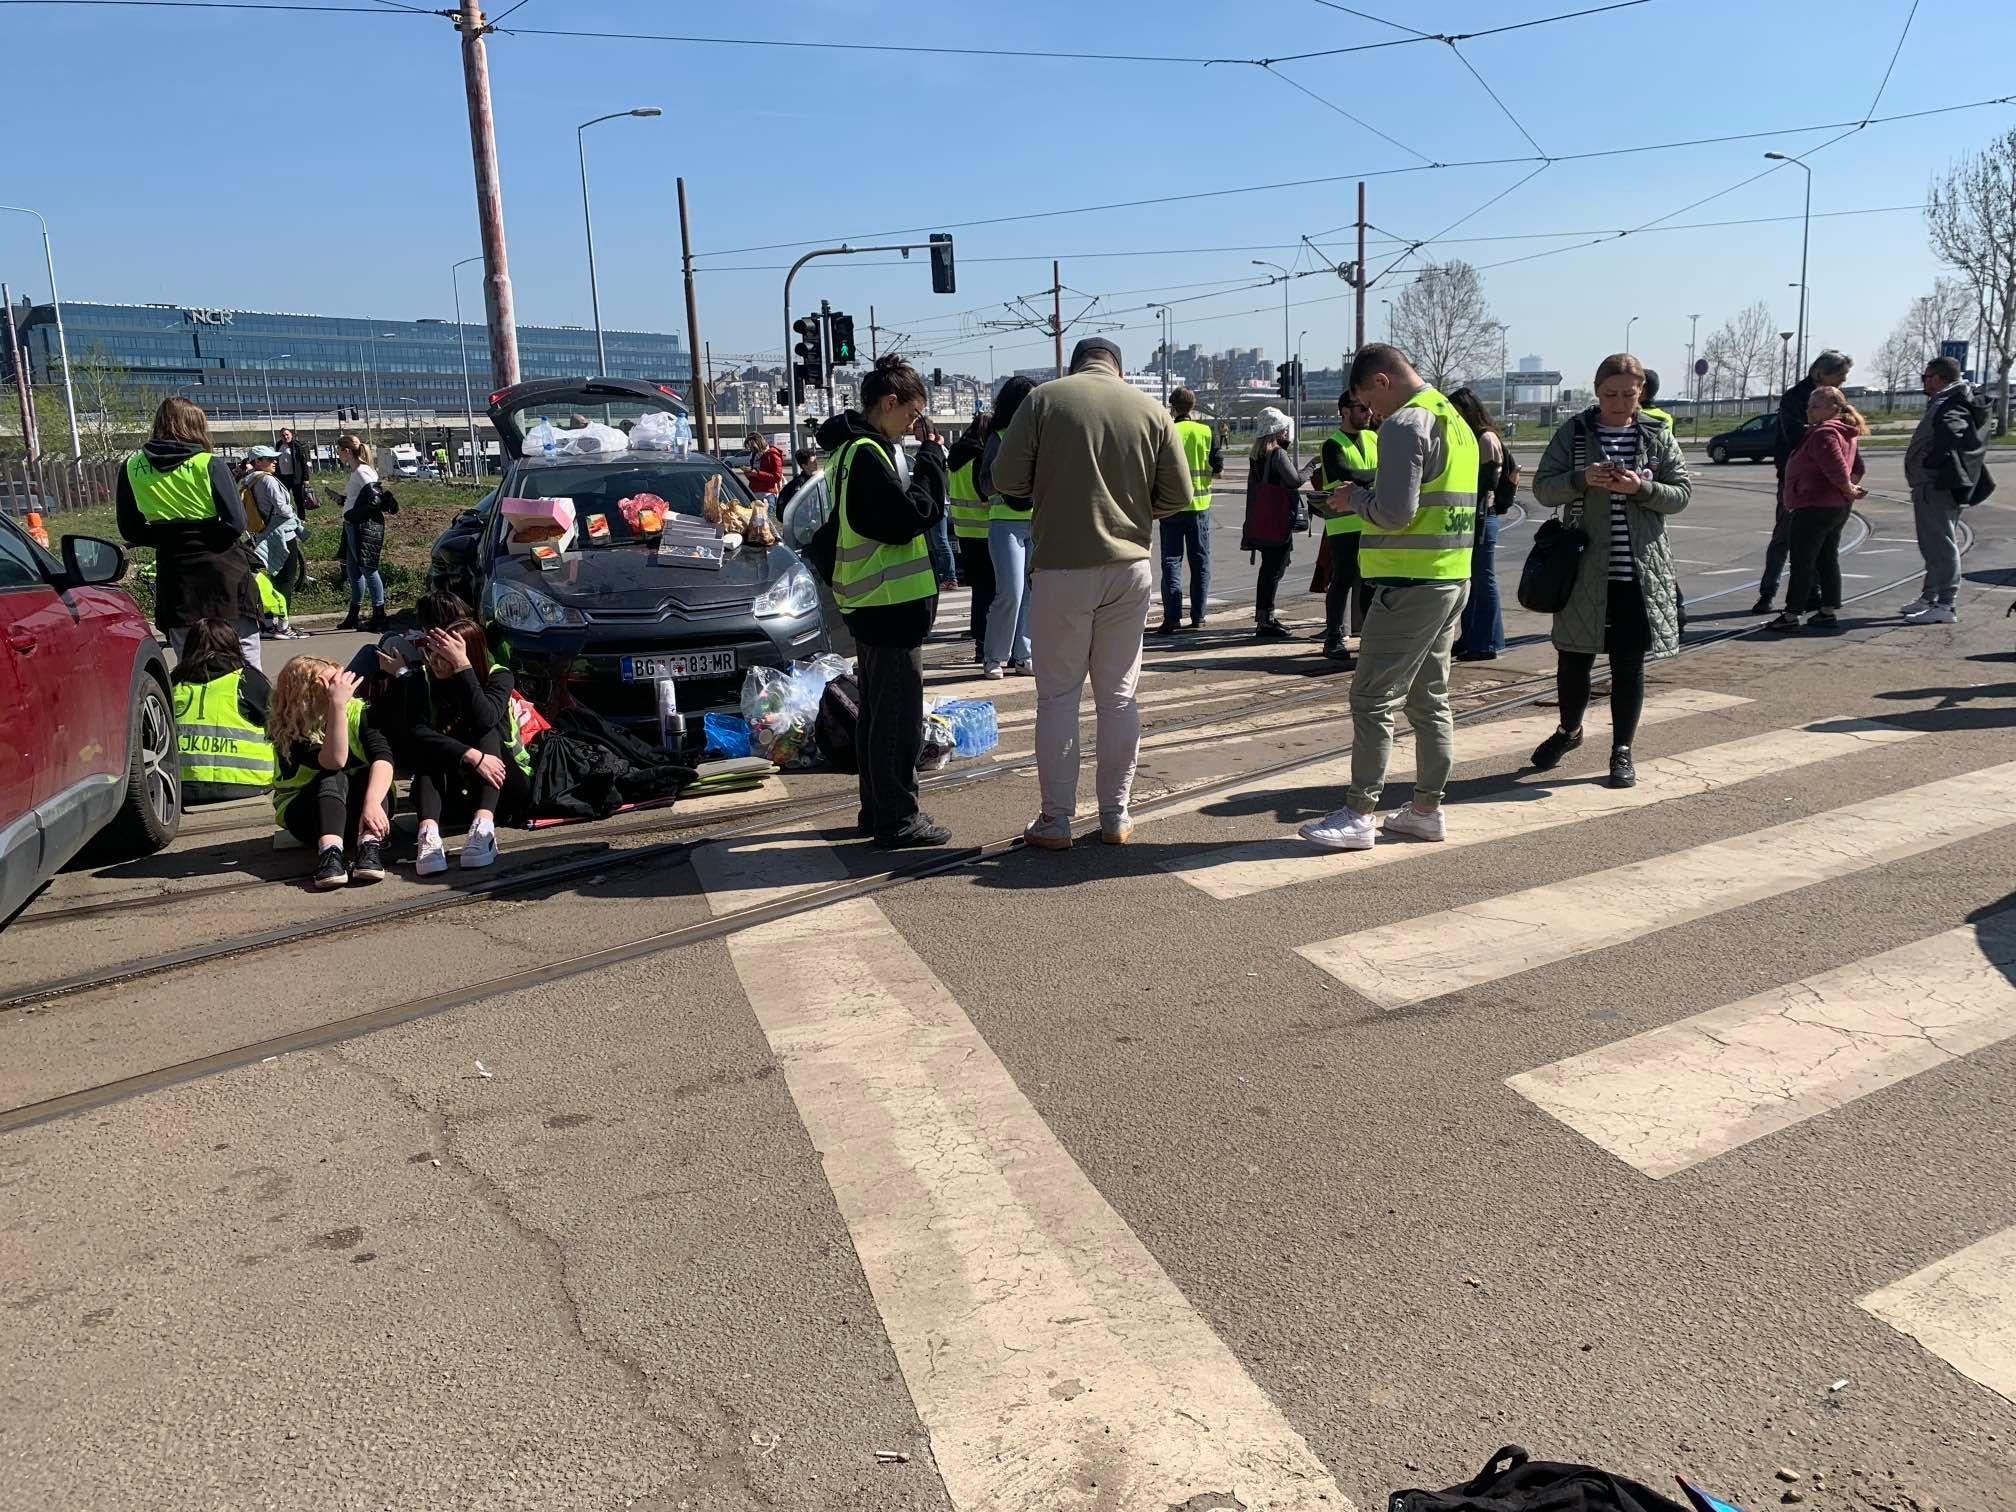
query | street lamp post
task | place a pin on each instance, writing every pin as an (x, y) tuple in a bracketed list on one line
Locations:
[(62, 341), (476, 469), (1388, 317), (1784, 358), (1693, 378), (588, 223), (266, 372), (1805, 240), (1286, 355), (1301, 383), (1504, 372), (411, 404), (1627, 331)]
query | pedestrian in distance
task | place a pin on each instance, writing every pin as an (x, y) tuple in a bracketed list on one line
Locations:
[(220, 718), (1645, 406), (178, 496), (1186, 535), (1823, 480), (1946, 469), (966, 508), (766, 466), (1482, 637), (365, 505), (884, 505), (1420, 521), (1100, 462), (333, 772), (1618, 476), (274, 527), (1007, 649), (805, 462), (292, 467), (1830, 368), (1350, 455), (1273, 493)]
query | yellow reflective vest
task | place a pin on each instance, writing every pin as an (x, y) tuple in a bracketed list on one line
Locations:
[(217, 745), (287, 784), (873, 574), (1435, 547), (182, 493), (1361, 454), (963, 502), (1196, 438)]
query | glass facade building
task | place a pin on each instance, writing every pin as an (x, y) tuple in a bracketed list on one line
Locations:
[(318, 364)]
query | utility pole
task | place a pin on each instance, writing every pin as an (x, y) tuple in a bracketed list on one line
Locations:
[(1057, 314), (826, 355), (1693, 378), (703, 406), (874, 350), (499, 310), (1359, 281), (31, 441)]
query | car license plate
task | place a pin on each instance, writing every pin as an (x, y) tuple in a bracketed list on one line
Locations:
[(685, 664)]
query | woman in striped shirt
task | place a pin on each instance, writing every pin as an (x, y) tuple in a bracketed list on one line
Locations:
[(1617, 475)]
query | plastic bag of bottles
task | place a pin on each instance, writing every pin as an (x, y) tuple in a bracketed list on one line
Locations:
[(662, 432), (782, 707), (975, 729), (542, 441)]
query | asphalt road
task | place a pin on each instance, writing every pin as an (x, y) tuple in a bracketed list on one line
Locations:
[(1668, 1130)]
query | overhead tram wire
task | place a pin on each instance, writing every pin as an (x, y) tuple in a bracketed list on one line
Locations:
[(1274, 73), (1895, 53)]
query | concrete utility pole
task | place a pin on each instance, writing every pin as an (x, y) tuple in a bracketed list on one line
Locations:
[(703, 405), (31, 441), (62, 341), (1057, 314), (499, 309), (1693, 378), (1359, 281)]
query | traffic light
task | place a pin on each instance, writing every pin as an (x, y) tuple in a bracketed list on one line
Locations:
[(942, 281), (843, 338), (937, 377), (810, 369), (1284, 379)]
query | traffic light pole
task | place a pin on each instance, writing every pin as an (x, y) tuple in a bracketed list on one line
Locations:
[(791, 389), (826, 352)]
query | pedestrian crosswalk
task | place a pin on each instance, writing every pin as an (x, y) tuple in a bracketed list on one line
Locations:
[(983, 1240)]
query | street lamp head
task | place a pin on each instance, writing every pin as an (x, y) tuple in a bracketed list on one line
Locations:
[(1777, 157), (647, 110)]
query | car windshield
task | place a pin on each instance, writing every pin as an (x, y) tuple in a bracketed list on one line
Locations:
[(601, 489)]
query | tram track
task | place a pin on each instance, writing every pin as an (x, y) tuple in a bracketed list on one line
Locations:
[(1504, 699)]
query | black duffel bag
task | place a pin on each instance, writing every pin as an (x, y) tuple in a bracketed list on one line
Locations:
[(1548, 578), (1512, 1482)]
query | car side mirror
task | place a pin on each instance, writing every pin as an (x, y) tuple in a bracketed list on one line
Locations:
[(89, 562)]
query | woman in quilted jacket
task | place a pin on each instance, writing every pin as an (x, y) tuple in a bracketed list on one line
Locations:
[(1618, 476)]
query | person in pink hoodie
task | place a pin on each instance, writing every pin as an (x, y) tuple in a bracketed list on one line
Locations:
[(1823, 479)]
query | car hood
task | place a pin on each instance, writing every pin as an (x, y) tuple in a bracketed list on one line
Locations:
[(631, 579)]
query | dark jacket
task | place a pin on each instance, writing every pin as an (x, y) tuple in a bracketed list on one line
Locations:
[(1824, 471), (296, 478), (1949, 452), (968, 448), (879, 508), (1792, 422), (455, 715), (199, 570)]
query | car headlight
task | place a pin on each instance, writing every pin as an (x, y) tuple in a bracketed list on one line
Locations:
[(794, 595), (524, 609)]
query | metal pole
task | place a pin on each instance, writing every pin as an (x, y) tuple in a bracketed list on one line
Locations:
[(703, 401), (62, 341), (826, 357), (499, 310), (1805, 235), (790, 388), (476, 458), (1693, 378), (1360, 280), (30, 440), (588, 225), (1057, 314), (874, 350)]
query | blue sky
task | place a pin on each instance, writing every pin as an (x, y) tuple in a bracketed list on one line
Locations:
[(320, 163)]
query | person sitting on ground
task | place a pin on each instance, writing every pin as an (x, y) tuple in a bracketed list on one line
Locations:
[(333, 782), (220, 717), (469, 760)]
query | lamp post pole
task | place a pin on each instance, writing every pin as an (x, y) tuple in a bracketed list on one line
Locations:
[(62, 341), (266, 372), (476, 458), (1627, 331), (1287, 354), (1805, 241), (588, 222)]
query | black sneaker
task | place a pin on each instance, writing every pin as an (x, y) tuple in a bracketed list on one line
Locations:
[(1197, 623), (1547, 755), (1273, 629), (1763, 604), (1167, 627), (378, 624), (1622, 773), (370, 865), (1336, 652), (1824, 617), (330, 871), (917, 834), (1786, 623), (349, 622)]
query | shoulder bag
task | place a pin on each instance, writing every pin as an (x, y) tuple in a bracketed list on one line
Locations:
[(1552, 566)]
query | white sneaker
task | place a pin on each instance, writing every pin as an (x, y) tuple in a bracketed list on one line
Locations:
[(1935, 614), (1917, 606), (994, 673), (1347, 829), (479, 850), (433, 857), (1411, 822)]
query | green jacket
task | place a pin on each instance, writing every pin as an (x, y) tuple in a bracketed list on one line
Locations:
[(1557, 484)]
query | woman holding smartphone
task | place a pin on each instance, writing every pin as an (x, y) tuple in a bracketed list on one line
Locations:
[(1618, 476)]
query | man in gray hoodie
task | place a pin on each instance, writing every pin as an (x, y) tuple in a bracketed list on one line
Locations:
[(1945, 467)]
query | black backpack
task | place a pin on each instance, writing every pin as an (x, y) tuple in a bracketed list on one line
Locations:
[(1512, 1482), (839, 719)]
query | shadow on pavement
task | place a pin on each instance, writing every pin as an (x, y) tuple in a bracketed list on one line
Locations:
[(1952, 711)]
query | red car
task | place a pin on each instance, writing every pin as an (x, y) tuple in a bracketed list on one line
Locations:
[(87, 724)]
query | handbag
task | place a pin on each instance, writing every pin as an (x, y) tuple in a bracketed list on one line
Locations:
[(1515, 1482), (1547, 581)]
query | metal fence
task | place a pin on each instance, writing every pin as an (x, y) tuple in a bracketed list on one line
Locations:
[(56, 486)]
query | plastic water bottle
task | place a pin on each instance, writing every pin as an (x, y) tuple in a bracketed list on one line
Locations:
[(671, 723), (545, 439), (975, 729)]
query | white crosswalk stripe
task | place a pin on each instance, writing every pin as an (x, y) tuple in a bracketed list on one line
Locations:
[(1237, 871), (1670, 1098), (1501, 937), (1963, 1309)]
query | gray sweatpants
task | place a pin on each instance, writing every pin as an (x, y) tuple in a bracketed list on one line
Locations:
[(1938, 520), (1403, 658)]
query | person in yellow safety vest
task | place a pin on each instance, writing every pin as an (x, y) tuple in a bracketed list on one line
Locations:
[(1188, 535), (968, 509), (441, 461), (1645, 408), (178, 496), (1420, 521), (220, 718), (332, 782), (1350, 455), (884, 503), (1008, 648)]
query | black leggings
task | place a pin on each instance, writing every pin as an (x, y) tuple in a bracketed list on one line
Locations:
[(331, 804), (435, 791), (1273, 567), (1626, 638)]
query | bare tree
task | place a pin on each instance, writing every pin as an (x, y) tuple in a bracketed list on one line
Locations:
[(1946, 314), (1743, 351), (1443, 324), (1971, 213), (1896, 362)]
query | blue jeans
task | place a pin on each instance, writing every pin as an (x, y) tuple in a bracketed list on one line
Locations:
[(360, 581), (1008, 615), (1186, 535), (943, 561), (1483, 625)]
